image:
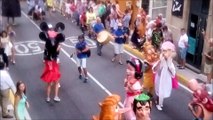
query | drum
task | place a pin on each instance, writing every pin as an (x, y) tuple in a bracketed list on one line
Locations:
[(104, 37)]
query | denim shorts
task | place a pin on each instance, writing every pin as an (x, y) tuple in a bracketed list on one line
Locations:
[(182, 53)]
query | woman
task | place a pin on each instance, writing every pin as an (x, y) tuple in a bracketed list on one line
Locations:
[(164, 71), (132, 85), (11, 9), (91, 18), (20, 101), (8, 46)]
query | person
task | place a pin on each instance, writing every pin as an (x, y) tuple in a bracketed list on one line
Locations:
[(36, 11), (164, 71), (11, 9), (4, 57), (132, 84), (201, 105), (20, 103), (119, 35), (167, 34), (208, 66), (182, 46), (8, 46), (50, 6), (5, 86), (98, 27), (126, 21), (142, 105), (157, 36), (91, 17), (81, 49), (51, 73), (67, 9)]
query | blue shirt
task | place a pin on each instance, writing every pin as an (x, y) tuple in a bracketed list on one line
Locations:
[(98, 27), (119, 32), (81, 46)]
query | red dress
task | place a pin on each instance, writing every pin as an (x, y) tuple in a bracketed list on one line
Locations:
[(51, 72)]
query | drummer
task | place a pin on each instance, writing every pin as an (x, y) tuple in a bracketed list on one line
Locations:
[(98, 27)]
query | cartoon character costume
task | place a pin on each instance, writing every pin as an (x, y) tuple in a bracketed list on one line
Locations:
[(142, 105), (109, 109), (164, 71), (150, 56), (52, 39), (132, 84), (202, 101)]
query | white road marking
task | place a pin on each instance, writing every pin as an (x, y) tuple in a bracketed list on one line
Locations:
[(90, 75)]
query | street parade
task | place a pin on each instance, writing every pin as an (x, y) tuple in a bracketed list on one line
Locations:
[(106, 60)]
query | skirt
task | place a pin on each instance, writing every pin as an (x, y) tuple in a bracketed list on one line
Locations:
[(51, 72)]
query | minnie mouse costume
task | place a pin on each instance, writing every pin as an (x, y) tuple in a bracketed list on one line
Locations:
[(52, 39)]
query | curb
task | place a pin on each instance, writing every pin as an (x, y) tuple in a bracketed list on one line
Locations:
[(182, 79)]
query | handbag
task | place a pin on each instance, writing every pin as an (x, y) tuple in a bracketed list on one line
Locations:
[(175, 82)]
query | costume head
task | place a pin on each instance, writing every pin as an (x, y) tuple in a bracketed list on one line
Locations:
[(138, 67), (168, 49), (52, 36), (150, 53), (142, 106), (108, 108)]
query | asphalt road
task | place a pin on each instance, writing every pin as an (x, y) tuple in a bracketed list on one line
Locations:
[(78, 100)]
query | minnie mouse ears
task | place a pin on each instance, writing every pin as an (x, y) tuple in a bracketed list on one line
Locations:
[(136, 63), (58, 27)]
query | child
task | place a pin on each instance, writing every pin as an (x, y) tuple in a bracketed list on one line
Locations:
[(67, 9)]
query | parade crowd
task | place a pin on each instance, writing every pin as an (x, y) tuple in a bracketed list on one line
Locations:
[(148, 82)]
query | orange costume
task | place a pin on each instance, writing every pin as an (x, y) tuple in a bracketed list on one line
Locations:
[(151, 56), (109, 109)]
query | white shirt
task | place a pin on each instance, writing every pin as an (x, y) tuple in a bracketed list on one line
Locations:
[(6, 82), (182, 41)]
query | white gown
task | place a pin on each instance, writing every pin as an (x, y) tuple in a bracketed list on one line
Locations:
[(163, 78)]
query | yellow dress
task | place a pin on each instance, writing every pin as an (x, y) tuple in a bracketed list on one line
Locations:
[(50, 3)]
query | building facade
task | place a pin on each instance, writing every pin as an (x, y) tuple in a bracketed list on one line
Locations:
[(195, 16)]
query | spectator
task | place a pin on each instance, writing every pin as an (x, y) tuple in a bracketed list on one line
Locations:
[(167, 34), (157, 36), (8, 46), (20, 101), (11, 9), (5, 86), (208, 66), (182, 46)]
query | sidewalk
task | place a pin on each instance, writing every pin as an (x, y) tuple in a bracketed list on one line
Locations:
[(184, 75)]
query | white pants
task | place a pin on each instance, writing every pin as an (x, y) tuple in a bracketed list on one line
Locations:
[(82, 62), (118, 48)]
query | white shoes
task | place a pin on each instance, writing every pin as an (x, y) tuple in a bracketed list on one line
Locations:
[(57, 99), (159, 107)]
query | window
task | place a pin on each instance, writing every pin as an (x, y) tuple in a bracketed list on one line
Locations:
[(159, 3)]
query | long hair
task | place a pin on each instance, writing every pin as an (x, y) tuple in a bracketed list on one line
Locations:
[(18, 91)]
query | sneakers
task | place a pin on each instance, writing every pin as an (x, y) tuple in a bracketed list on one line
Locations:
[(58, 60), (85, 80), (48, 99), (120, 63), (159, 107), (80, 77), (113, 59), (57, 99), (7, 116)]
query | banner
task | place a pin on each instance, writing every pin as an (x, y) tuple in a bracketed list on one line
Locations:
[(177, 8)]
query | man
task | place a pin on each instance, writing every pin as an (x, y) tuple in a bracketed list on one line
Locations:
[(126, 22), (81, 49), (98, 27), (182, 45), (142, 107), (167, 34), (119, 35), (6, 84), (208, 66)]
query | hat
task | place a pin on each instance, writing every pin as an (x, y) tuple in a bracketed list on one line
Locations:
[(142, 97), (120, 24)]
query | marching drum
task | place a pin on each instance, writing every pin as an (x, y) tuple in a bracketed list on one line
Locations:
[(104, 37)]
